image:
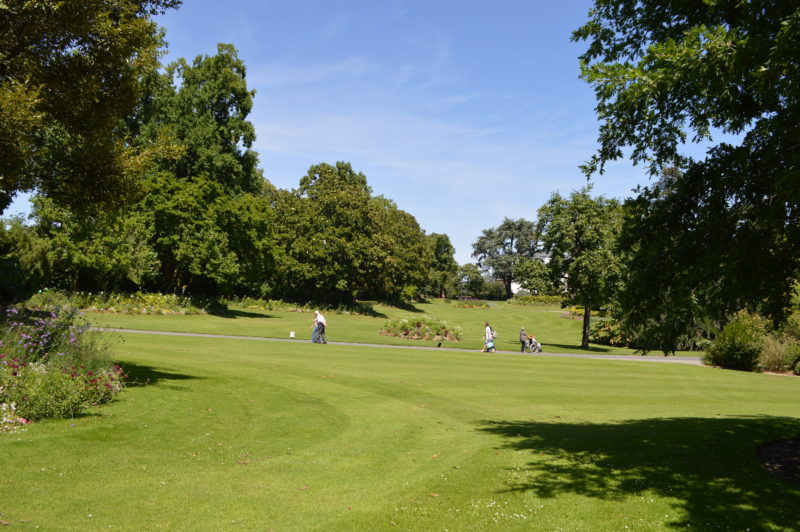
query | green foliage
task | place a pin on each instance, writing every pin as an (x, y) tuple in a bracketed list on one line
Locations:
[(359, 308), (54, 366), (40, 394), (421, 329), (534, 276), (211, 220), (443, 264), (739, 344), (778, 354), (203, 224), (136, 303), (24, 262), (580, 234), (718, 234), (470, 304), (609, 332), (339, 244), (101, 251), (536, 301), (499, 249), (68, 73)]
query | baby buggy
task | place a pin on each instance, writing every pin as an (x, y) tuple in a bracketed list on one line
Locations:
[(488, 347), (533, 346)]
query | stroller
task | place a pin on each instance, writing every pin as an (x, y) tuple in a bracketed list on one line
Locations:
[(488, 347), (533, 346)]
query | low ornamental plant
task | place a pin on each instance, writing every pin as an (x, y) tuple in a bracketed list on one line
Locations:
[(421, 329), (739, 344), (136, 303), (53, 365), (536, 301)]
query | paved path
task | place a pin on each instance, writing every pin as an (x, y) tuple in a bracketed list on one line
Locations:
[(690, 360)]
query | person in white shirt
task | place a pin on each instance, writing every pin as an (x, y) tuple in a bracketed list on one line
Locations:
[(320, 324)]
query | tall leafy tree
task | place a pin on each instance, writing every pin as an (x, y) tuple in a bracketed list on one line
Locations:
[(212, 223), (498, 249), (338, 243), (443, 263), (533, 275), (69, 73), (723, 232), (580, 234)]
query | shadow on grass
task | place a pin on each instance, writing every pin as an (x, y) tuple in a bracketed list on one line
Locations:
[(708, 467), (234, 314), (146, 375), (577, 348)]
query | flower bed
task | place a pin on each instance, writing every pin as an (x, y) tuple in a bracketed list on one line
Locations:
[(421, 329), (52, 365)]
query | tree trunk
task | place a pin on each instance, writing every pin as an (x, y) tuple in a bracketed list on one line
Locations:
[(587, 317), (507, 283)]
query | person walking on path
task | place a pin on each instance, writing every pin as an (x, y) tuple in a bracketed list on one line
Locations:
[(488, 339), (523, 340), (321, 325)]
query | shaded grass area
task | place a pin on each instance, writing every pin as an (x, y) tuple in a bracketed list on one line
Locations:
[(228, 434), (706, 465), (554, 332)]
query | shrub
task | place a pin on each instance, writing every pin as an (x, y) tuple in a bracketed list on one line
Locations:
[(136, 303), (471, 304), (54, 365), (739, 344), (536, 301), (576, 313), (421, 329), (794, 356), (39, 393), (609, 332), (361, 308), (778, 354)]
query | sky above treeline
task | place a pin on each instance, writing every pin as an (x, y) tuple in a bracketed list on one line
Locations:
[(463, 113)]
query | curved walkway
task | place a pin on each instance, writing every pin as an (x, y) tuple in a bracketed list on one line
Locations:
[(690, 360)]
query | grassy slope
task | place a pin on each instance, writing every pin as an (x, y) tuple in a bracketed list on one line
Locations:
[(225, 434), (554, 332)]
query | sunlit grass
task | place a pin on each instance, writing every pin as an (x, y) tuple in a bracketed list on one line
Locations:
[(556, 333), (219, 434)]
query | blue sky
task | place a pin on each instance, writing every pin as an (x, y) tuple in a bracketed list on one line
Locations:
[(462, 112)]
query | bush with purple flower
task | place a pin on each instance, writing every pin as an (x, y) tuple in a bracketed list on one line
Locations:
[(52, 365)]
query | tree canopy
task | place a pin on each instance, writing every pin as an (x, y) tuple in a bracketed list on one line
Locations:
[(722, 232), (579, 234), (338, 243), (69, 73), (498, 249)]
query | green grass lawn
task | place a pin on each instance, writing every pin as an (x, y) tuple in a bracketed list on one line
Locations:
[(556, 334), (225, 434)]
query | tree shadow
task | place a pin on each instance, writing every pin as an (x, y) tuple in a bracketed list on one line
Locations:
[(707, 466), (139, 376), (234, 314), (592, 349), (408, 307)]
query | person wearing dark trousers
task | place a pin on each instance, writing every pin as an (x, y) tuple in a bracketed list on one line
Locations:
[(523, 340)]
